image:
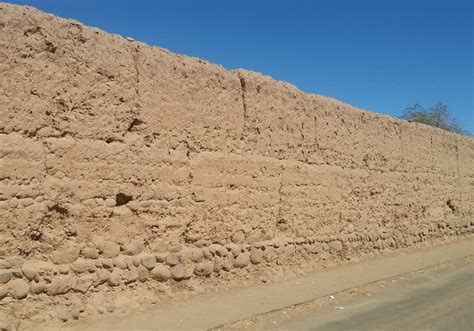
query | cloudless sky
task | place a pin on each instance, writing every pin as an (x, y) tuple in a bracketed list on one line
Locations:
[(378, 55)]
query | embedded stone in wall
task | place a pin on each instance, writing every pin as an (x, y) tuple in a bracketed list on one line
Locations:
[(66, 255), (5, 276), (162, 273), (19, 288), (178, 272), (242, 260)]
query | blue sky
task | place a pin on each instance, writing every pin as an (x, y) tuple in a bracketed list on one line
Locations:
[(378, 55)]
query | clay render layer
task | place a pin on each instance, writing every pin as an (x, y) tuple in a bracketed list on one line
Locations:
[(129, 174)]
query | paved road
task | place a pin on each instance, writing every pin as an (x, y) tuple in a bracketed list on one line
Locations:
[(430, 300)]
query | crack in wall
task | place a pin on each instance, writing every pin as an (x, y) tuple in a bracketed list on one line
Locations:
[(243, 89), (457, 156), (46, 151), (136, 59), (281, 223)]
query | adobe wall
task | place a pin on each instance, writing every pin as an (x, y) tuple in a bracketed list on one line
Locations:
[(127, 167)]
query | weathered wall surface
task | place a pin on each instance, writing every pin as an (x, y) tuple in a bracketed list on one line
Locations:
[(122, 163)]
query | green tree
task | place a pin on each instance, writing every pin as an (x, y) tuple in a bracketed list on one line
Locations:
[(437, 116)]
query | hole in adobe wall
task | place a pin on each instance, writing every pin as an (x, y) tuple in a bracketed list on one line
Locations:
[(451, 205), (112, 140), (50, 47), (58, 208), (135, 122), (122, 199)]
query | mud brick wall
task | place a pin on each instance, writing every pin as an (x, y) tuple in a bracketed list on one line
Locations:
[(123, 163)]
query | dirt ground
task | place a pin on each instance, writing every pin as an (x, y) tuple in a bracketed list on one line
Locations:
[(435, 298)]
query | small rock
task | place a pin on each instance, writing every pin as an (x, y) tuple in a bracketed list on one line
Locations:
[(101, 276), (90, 253), (185, 255), (19, 288), (110, 249), (160, 257), (89, 203), (143, 273), (38, 288), (172, 260), (136, 261), (197, 255), (110, 308), (218, 263), (134, 247), (3, 292), (106, 263), (131, 276), (14, 202), (110, 202), (350, 228), (64, 256), (133, 206), (269, 254), (26, 202), (242, 260), (5, 276), (115, 277), (188, 271), (228, 262), (99, 201), (63, 269), (83, 283), (15, 261), (129, 262), (234, 249), (120, 263), (219, 250), (17, 273), (207, 254), (178, 272), (81, 266), (5, 264), (60, 285), (30, 273), (204, 268), (148, 261), (161, 273), (256, 256)]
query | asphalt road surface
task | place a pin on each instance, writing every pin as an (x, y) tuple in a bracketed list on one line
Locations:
[(439, 298)]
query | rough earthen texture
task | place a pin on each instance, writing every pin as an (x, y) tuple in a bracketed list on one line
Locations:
[(131, 171)]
